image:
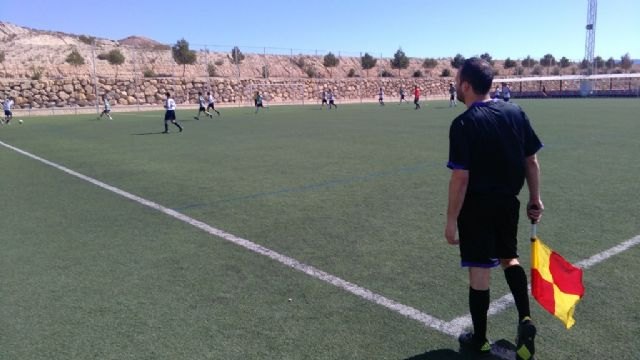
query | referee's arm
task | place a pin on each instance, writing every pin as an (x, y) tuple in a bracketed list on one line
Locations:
[(457, 190), (532, 174)]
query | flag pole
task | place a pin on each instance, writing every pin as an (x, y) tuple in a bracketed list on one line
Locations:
[(534, 226)]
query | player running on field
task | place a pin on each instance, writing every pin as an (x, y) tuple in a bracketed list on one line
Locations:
[(201, 108), (212, 105), (324, 98), (170, 114), (332, 100), (107, 108), (402, 95), (8, 115), (381, 97)]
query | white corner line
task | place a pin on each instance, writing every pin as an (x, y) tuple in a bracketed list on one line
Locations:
[(404, 310), (452, 328)]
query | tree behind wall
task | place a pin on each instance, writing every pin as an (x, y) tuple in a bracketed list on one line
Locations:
[(548, 61), (528, 62), (486, 57), (368, 62), (564, 62), (457, 61), (182, 55), (115, 58), (75, 59), (400, 61), (330, 61), (625, 62)]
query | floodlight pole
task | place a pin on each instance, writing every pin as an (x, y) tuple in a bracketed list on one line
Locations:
[(95, 76), (590, 41)]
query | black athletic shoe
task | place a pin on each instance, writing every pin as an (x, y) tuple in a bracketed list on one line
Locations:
[(525, 347), (469, 345)]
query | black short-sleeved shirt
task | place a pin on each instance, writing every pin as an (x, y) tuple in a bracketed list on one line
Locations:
[(492, 141)]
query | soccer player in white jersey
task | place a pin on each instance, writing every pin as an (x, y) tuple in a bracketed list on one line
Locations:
[(107, 108), (497, 95), (381, 97), (324, 98), (201, 109), (212, 105), (402, 95), (6, 105), (506, 92), (332, 100), (170, 114)]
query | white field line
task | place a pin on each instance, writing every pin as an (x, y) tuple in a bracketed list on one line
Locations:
[(452, 328), (506, 301), (366, 294)]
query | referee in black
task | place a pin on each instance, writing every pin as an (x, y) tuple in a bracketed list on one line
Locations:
[(492, 150)]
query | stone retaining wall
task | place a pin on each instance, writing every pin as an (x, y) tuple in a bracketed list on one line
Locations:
[(81, 91)]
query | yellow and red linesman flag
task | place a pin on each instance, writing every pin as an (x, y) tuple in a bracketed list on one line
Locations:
[(555, 283)]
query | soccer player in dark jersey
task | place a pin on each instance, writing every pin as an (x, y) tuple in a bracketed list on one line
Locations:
[(381, 97), (492, 151), (258, 101), (452, 95), (201, 108)]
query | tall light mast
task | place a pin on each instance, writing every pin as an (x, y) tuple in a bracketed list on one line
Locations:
[(590, 42)]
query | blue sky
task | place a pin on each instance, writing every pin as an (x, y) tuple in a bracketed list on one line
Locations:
[(422, 28)]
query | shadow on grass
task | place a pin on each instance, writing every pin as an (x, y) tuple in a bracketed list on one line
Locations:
[(500, 350), (442, 354), (149, 133)]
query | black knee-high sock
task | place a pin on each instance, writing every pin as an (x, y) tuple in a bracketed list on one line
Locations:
[(517, 280), (166, 127), (478, 306), (178, 125)]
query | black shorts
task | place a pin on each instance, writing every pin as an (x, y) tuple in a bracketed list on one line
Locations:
[(416, 100), (488, 230), (402, 97), (506, 99), (106, 111), (211, 106), (170, 115), (331, 102), (324, 101), (8, 113), (259, 105), (202, 109), (452, 97)]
